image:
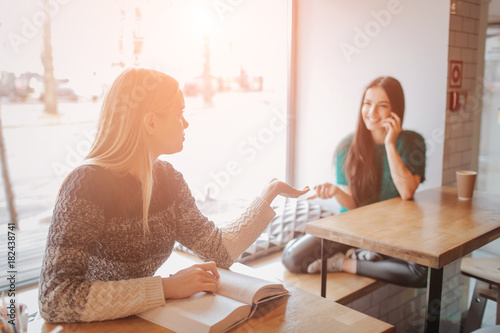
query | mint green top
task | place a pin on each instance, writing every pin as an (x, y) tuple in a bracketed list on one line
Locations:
[(410, 146)]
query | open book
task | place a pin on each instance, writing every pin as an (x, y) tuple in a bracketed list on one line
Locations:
[(235, 301)]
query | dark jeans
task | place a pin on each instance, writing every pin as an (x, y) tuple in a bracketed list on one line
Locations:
[(302, 251)]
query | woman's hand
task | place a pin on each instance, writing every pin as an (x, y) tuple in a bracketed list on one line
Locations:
[(325, 191), (392, 125), (192, 280), (277, 187)]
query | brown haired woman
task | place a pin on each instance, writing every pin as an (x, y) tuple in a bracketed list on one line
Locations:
[(379, 162), (118, 215)]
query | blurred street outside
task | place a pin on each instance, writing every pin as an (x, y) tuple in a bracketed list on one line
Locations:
[(41, 149)]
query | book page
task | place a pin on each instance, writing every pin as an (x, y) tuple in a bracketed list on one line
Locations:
[(202, 312), (247, 289)]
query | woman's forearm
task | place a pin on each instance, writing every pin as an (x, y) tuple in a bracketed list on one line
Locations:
[(406, 183), (345, 198)]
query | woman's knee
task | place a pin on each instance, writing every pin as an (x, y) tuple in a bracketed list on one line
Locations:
[(300, 252), (419, 276)]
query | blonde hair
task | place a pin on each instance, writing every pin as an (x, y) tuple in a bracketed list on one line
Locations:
[(120, 138)]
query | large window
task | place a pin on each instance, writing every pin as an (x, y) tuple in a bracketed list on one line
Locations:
[(230, 58), (238, 125)]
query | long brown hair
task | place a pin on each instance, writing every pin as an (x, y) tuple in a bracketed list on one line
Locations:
[(363, 168)]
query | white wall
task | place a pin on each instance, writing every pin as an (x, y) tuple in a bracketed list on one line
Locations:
[(404, 39)]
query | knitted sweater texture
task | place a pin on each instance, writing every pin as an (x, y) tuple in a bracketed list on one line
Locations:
[(99, 264)]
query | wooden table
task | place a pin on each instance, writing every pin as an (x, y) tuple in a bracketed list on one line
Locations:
[(301, 311), (434, 230)]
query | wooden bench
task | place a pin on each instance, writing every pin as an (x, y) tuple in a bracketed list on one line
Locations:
[(486, 272), (342, 288)]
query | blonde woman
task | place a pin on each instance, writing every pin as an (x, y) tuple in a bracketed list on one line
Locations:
[(118, 215)]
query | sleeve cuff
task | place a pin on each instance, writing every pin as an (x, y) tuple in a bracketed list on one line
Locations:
[(263, 207), (154, 292)]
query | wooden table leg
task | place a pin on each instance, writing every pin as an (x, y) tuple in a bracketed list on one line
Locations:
[(498, 305), (434, 290), (324, 258)]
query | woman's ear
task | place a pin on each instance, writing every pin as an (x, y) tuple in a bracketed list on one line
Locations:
[(149, 122)]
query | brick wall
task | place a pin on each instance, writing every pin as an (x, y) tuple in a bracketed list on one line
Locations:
[(468, 21), (402, 307), (405, 307)]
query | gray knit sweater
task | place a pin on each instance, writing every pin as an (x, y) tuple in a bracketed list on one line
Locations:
[(98, 263)]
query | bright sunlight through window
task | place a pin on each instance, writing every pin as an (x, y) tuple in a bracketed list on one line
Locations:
[(229, 57)]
